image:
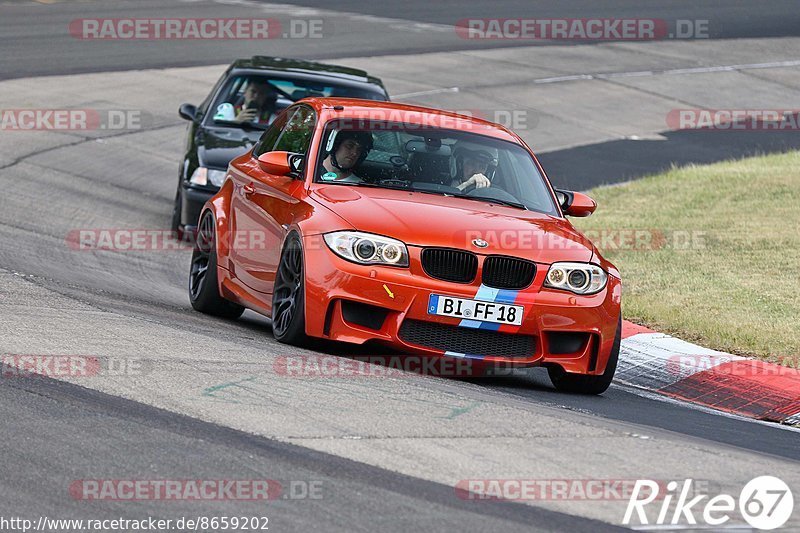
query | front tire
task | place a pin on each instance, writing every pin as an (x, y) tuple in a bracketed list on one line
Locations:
[(288, 303), (583, 384), (175, 223), (203, 283)]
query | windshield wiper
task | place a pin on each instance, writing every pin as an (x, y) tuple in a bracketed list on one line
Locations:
[(509, 203), (410, 188), (493, 200), (373, 185)]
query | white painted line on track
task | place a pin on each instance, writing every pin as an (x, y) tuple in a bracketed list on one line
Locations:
[(670, 72), (426, 93), (692, 527)]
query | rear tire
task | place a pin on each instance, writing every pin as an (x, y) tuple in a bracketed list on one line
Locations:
[(583, 384), (288, 302), (203, 283)]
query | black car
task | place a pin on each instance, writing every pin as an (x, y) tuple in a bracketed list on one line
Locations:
[(243, 103)]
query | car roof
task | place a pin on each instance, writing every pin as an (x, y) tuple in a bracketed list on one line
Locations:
[(287, 65), (356, 108)]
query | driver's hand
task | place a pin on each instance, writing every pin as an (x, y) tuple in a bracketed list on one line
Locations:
[(480, 181), (246, 115)]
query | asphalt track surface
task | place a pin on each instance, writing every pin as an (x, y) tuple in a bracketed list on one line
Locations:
[(36, 40), (210, 406), (352, 496)]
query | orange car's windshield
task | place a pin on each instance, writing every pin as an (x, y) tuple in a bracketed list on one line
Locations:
[(431, 159)]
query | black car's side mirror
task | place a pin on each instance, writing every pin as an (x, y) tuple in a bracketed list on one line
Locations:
[(187, 111)]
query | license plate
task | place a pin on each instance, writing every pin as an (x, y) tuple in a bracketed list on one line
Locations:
[(475, 310)]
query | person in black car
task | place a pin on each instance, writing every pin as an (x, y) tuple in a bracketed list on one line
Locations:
[(258, 105)]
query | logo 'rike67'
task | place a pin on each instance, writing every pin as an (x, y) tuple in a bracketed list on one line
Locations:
[(765, 502)]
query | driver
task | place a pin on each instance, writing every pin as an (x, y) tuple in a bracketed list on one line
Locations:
[(259, 102), (350, 149), (471, 164)]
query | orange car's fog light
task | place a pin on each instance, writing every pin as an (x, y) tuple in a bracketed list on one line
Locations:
[(365, 315), (566, 342)]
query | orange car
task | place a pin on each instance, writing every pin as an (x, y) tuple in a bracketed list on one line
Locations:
[(433, 232)]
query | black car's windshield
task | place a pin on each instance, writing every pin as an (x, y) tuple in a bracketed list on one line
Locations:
[(253, 101), (432, 160)]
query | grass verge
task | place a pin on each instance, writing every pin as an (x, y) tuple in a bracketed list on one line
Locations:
[(710, 253)]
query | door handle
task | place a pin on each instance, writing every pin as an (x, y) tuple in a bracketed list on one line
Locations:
[(248, 189)]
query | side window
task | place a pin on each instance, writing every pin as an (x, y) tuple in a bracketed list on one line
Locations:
[(205, 103), (268, 139), (296, 136)]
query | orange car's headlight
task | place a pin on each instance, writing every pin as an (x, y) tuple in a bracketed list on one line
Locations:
[(580, 278), (367, 249)]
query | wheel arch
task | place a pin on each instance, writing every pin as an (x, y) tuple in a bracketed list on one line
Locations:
[(219, 207)]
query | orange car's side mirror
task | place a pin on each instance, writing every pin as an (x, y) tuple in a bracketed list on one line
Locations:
[(575, 204), (275, 163)]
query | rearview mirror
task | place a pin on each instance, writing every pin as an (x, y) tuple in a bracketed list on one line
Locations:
[(575, 204), (275, 163), (430, 146), (187, 111)]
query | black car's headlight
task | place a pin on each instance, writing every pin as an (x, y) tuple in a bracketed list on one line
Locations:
[(205, 176), (580, 278), (367, 249)]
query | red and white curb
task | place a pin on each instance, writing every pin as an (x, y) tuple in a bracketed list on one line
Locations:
[(669, 366)]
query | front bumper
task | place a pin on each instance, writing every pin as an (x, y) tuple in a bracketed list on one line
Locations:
[(192, 201), (358, 303)]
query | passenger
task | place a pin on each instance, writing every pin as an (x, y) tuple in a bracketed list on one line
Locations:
[(350, 149), (471, 164)]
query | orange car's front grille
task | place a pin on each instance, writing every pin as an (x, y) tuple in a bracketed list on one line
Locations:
[(450, 265), (503, 272), (466, 340)]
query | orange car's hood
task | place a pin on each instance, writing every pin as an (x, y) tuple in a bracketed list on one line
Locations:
[(432, 220)]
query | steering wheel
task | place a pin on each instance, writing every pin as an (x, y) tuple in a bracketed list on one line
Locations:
[(468, 189)]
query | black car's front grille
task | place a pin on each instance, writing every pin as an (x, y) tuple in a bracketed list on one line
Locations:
[(503, 272), (466, 340), (449, 265)]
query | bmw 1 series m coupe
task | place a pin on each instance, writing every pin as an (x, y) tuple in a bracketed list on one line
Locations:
[(431, 232)]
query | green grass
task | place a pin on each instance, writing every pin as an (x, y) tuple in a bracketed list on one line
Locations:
[(737, 287)]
